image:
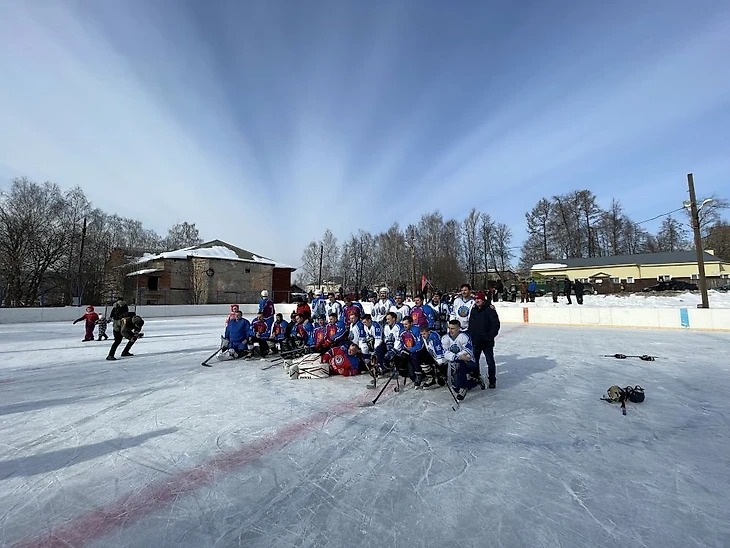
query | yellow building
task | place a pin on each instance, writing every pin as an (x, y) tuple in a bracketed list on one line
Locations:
[(635, 272)]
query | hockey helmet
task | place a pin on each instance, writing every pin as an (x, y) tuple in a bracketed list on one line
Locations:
[(264, 293)]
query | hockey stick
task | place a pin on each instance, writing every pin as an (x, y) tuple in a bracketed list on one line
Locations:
[(222, 345), (458, 405), (368, 404), (644, 357), (206, 360)]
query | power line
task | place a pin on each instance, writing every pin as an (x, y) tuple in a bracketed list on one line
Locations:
[(662, 215)]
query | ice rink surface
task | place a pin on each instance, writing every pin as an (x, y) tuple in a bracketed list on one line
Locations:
[(157, 451)]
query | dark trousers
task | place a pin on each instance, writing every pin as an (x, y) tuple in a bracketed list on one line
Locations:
[(89, 336), (579, 298), (567, 294), (488, 350), (263, 345), (461, 369), (118, 340)]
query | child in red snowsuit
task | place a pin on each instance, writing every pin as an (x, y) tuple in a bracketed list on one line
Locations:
[(91, 317)]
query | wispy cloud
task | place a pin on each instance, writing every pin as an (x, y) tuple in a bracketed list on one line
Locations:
[(266, 123)]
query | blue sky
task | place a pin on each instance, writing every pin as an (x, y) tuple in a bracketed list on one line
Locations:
[(267, 122)]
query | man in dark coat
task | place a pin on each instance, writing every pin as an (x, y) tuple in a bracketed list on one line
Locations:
[(579, 289), (554, 289), (567, 286), (483, 329)]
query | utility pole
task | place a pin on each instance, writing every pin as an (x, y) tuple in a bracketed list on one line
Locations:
[(413, 263), (81, 261), (694, 214), (321, 257)]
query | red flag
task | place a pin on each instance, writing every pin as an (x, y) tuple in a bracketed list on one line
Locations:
[(424, 282)]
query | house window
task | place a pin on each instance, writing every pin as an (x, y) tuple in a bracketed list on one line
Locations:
[(695, 276), (153, 283), (629, 279), (664, 278), (615, 280)]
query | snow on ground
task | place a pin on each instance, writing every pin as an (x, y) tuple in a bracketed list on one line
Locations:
[(717, 299), (155, 450)]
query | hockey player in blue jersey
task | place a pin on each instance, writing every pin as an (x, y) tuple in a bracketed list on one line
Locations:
[(266, 307), (436, 359), (235, 339), (411, 355), (259, 335), (460, 356), (422, 314)]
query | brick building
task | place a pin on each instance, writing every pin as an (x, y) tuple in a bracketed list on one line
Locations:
[(213, 272)]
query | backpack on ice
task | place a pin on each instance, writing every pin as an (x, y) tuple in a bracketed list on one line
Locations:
[(616, 394)]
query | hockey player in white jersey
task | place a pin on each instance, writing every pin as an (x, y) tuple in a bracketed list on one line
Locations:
[(461, 307), (441, 313), (334, 307), (392, 339), (401, 309), (381, 307), (460, 355)]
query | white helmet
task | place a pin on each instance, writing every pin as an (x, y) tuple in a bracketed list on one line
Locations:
[(264, 293), (384, 290)]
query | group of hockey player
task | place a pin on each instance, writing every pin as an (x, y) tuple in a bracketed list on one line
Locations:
[(428, 342)]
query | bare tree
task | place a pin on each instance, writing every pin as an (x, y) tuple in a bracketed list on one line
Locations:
[(182, 235), (538, 227), (501, 247), (197, 279), (308, 272), (718, 240), (470, 247), (672, 236), (33, 237)]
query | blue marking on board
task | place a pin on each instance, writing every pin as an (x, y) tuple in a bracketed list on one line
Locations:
[(684, 317)]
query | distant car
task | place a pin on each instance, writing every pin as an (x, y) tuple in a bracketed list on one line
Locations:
[(672, 285), (722, 288)]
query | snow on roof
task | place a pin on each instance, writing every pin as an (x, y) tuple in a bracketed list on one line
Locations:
[(145, 271), (214, 252), (548, 266)]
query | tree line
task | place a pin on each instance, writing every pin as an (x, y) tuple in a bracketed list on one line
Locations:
[(55, 246), (475, 249)]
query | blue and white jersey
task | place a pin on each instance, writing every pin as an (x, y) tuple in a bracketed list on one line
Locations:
[(359, 336), (380, 309), (391, 335), (434, 347), (334, 308), (400, 312), (319, 307), (455, 346), (460, 311), (441, 313), (376, 332)]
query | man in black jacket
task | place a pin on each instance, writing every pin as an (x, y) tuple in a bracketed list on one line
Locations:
[(483, 329)]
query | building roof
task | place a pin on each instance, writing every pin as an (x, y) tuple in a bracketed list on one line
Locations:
[(215, 249), (668, 257)]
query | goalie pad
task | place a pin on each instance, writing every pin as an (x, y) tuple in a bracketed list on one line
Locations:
[(308, 367), (227, 355)]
